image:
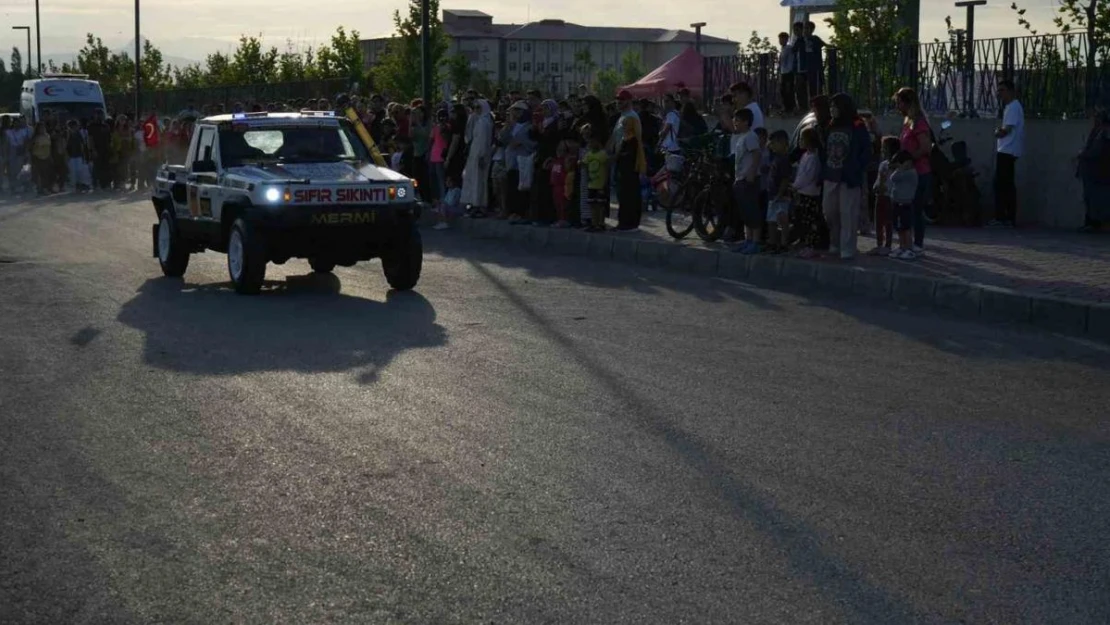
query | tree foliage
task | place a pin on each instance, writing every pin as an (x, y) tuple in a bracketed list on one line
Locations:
[(632, 67), (859, 24), (398, 69), (459, 73), (608, 81)]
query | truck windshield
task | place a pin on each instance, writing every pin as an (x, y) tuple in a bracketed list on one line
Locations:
[(64, 111), (289, 144)]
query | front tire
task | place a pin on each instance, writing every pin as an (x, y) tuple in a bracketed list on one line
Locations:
[(246, 258), (403, 260), (320, 265), (172, 255)]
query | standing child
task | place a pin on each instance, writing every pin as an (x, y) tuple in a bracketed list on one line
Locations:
[(884, 226), (807, 194), (903, 190), (765, 156), (779, 172), (597, 172), (450, 206), (746, 186), (557, 176)]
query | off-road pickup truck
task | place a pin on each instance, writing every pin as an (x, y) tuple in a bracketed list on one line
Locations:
[(267, 187)]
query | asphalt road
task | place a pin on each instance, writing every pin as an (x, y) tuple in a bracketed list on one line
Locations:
[(525, 439)]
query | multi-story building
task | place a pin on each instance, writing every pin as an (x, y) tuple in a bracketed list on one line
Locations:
[(555, 54)]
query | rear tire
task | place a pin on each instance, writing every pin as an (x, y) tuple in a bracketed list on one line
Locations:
[(173, 257), (320, 265), (246, 258), (403, 260)]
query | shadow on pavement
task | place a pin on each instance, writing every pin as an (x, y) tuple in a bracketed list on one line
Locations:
[(954, 335), (300, 324), (801, 545), (589, 271)]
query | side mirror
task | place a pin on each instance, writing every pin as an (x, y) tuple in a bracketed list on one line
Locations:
[(204, 167), (945, 125)]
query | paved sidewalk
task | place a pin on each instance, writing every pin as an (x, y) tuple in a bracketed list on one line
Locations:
[(1054, 280), (1057, 264)]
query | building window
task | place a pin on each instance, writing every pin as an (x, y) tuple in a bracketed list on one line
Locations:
[(527, 67), (512, 47), (554, 67), (554, 47), (512, 67), (539, 67), (527, 47)]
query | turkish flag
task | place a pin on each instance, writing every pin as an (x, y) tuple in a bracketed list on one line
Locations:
[(150, 132)]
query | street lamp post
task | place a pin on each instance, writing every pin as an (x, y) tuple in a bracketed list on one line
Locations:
[(28, 29), (697, 26), (138, 68), (38, 37), (969, 57)]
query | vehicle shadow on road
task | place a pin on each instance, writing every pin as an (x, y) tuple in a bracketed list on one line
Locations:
[(300, 324)]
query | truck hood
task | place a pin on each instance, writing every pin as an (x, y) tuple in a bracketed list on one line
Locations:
[(342, 173)]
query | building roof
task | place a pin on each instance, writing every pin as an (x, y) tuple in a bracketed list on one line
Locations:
[(552, 30), (466, 13)]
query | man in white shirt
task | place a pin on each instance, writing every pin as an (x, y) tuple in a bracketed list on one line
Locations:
[(1011, 144), (744, 98)]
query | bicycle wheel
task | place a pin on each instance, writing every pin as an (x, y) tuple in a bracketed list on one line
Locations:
[(680, 221), (709, 215), (670, 193)]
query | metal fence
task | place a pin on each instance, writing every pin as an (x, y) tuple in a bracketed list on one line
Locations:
[(172, 100), (1051, 72)]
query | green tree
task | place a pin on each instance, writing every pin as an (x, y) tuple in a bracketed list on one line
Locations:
[(251, 64), (869, 36), (758, 45), (398, 70), (292, 64), (114, 70), (632, 67), (584, 62), (218, 70), (608, 81), (156, 73), (191, 76), (345, 55), (459, 73), (17, 63), (1090, 17)]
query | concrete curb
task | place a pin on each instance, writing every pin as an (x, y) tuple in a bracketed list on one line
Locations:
[(967, 300)]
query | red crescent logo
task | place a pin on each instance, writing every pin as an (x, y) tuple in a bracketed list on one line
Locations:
[(50, 91), (149, 127)]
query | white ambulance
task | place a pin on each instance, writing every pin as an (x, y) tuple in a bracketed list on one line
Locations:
[(67, 96)]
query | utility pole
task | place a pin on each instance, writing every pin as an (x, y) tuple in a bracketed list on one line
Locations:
[(697, 26), (969, 56), (38, 37), (28, 29), (138, 68), (426, 52)]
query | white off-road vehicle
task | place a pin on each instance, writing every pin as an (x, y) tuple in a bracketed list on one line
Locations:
[(267, 187)]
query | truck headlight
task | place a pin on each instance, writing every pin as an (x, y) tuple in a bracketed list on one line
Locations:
[(273, 195)]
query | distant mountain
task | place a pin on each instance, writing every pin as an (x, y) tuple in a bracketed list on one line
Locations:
[(177, 52)]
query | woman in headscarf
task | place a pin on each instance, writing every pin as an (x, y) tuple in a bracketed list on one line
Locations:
[(547, 145), (475, 188), (631, 165), (456, 150)]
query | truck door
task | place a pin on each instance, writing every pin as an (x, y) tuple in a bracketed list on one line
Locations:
[(203, 176)]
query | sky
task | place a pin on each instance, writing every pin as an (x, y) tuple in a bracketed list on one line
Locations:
[(216, 24)]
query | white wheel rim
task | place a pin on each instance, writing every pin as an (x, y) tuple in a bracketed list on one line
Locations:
[(235, 255), (164, 240)]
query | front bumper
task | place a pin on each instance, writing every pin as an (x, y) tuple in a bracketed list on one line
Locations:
[(345, 233)]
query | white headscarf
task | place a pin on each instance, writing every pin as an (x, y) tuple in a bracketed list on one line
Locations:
[(486, 111)]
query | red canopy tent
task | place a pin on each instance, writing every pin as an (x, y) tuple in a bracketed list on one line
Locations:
[(684, 70)]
